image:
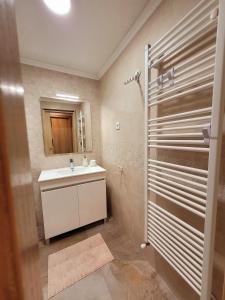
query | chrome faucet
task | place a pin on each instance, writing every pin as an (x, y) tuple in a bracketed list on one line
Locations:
[(72, 166)]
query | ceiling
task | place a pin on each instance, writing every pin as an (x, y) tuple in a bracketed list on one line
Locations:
[(86, 41)]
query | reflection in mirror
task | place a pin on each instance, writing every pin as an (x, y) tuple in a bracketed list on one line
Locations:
[(66, 126)]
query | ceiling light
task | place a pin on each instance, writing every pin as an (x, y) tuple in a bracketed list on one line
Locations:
[(60, 7), (66, 97)]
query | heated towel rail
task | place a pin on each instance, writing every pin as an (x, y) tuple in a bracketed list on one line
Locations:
[(185, 65)]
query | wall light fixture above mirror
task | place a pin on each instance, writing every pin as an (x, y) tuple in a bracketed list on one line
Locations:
[(66, 97), (66, 125)]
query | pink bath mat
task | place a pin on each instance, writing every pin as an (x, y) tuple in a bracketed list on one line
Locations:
[(73, 263)]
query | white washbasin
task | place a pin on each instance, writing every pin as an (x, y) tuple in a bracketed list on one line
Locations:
[(67, 172)]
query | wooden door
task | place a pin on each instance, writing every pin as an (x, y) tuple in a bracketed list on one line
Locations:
[(62, 134), (19, 253), (224, 287), (60, 210)]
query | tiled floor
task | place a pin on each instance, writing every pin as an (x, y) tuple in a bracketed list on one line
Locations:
[(128, 277)]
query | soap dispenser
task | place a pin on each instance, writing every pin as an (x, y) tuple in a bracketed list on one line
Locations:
[(71, 164), (85, 161)]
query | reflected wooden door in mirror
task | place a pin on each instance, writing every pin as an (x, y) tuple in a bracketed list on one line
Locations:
[(62, 134)]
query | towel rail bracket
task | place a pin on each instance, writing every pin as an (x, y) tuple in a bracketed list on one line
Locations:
[(206, 131), (166, 77)]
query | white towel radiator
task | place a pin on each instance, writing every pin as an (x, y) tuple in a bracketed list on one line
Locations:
[(186, 63)]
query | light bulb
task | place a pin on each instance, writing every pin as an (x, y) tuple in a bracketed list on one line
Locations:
[(60, 7)]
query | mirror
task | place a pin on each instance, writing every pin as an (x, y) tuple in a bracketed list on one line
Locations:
[(66, 126)]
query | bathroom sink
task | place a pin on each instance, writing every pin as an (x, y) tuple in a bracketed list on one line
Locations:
[(67, 172)]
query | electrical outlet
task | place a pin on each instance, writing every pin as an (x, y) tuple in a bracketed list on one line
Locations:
[(117, 125)]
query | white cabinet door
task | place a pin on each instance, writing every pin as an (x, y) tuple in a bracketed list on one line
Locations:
[(60, 210), (92, 202)]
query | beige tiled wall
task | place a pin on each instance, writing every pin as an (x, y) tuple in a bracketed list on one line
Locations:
[(126, 147), (125, 103), (40, 82)]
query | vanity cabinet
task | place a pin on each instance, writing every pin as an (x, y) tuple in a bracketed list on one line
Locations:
[(72, 201), (60, 210), (92, 202)]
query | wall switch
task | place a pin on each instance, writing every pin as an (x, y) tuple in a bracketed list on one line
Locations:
[(117, 125)]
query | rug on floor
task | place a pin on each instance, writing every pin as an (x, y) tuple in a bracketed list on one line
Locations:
[(73, 263)]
